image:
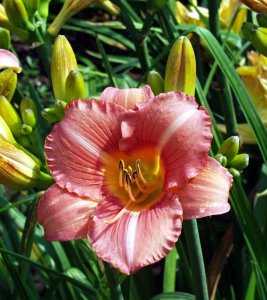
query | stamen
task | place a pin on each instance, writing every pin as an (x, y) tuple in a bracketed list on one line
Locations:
[(125, 183), (121, 167), (140, 175)]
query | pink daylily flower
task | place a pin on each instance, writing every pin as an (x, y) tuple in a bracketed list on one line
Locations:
[(126, 178), (9, 60)]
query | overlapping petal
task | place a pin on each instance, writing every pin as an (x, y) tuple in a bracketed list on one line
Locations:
[(175, 125), (207, 193), (78, 145), (9, 60), (127, 98), (64, 215), (136, 239)]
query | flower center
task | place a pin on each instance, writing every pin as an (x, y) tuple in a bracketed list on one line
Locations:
[(136, 183)]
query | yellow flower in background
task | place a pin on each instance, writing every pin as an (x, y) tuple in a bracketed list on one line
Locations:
[(254, 76), (196, 14)]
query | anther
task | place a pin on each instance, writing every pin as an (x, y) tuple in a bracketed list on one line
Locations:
[(121, 167)]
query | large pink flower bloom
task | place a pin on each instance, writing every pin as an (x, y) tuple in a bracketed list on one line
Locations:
[(127, 178)]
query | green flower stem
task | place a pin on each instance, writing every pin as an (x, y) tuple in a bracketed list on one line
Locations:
[(197, 263), (214, 20), (115, 288), (169, 276)]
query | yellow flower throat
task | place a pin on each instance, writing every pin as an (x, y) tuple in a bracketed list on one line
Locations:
[(138, 183)]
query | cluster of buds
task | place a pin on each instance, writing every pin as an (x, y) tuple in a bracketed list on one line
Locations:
[(72, 7), (228, 156), (67, 80), (18, 16), (257, 34), (19, 169), (180, 74)]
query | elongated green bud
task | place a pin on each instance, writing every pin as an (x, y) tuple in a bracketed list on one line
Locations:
[(9, 114), (181, 67), (17, 14), (8, 83), (31, 6), (63, 61), (229, 148), (240, 162), (28, 112), (262, 20), (4, 38), (44, 8), (256, 35), (156, 82), (75, 87), (221, 159), (50, 114)]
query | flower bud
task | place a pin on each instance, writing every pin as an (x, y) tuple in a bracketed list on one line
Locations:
[(50, 114), (229, 148), (234, 172), (28, 112), (62, 62), (72, 7), (181, 68), (257, 5), (262, 20), (5, 132), (240, 162), (17, 14), (5, 23), (11, 117), (156, 82), (60, 109), (74, 86), (44, 8), (221, 159), (18, 170), (8, 83), (256, 35), (25, 129), (9, 60), (4, 39)]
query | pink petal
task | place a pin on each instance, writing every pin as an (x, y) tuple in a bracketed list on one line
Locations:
[(206, 194), (127, 97), (64, 215), (137, 238), (9, 60), (175, 125), (79, 144)]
